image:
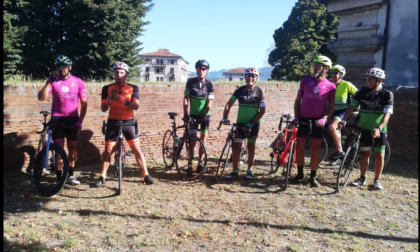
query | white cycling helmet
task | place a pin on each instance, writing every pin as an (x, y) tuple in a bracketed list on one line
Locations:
[(252, 70), (376, 72), (121, 65)]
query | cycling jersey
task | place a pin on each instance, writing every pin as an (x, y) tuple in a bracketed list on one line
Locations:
[(65, 94), (119, 111), (344, 89), (199, 93), (249, 103), (314, 94), (372, 109)]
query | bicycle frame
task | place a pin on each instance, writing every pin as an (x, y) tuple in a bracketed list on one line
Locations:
[(285, 152)]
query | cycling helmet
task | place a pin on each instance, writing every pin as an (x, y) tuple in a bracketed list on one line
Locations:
[(323, 60), (62, 60), (376, 72), (203, 63), (121, 65), (340, 69), (252, 70)]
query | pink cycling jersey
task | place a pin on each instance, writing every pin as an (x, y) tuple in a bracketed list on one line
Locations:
[(65, 96), (314, 94)]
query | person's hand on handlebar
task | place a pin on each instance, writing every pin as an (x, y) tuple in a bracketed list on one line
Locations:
[(225, 121), (321, 122), (341, 124), (294, 122), (376, 133), (186, 118)]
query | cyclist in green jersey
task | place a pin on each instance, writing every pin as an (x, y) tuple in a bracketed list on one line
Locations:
[(342, 93), (251, 100), (199, 94), (376, 106)]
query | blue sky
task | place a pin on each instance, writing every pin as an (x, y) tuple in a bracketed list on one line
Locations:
[(226, 33)]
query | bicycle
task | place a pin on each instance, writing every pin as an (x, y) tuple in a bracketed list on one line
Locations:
[(192, 145), (170, 142), (120, 153), (47, 157), (225, 157)]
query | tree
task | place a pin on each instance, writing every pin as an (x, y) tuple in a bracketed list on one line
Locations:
[(301, 38), (93, 33)]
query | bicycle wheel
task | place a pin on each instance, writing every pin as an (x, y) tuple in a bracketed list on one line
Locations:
[(168, 149), (224, 160), (46, 182), (288, 167), (187, 148), (346, 168), (275, 161), (120, 166), (372, 159), (308, 151)]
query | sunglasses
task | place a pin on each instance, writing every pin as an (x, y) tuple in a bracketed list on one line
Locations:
[(251, 75), (335, 72), (317, 65), (370, 78), (62, 66), (202, 69)]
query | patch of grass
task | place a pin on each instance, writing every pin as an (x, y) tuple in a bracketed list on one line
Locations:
[(37, 247), (294, 247), (69, 243)]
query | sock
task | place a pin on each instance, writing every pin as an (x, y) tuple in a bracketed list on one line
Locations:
[(199, 162), (313, 174), (362, 178), (71, 170), (58, 173), (189, 164), (102, 179), (235, 171), (300, 171), (249, 171)]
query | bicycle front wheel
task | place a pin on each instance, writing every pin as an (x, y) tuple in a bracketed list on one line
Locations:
[(191, 149), (224, 160), (346, 168), (120, 166), (46, 181), (168, 149), (288, 167), (275, 161)]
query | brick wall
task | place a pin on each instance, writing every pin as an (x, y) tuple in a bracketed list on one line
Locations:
[(21, 119)]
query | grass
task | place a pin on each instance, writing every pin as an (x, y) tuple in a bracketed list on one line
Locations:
[(207, 215)]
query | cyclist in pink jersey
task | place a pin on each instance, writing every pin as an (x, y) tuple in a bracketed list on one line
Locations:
[(66, 91), (310, 106)]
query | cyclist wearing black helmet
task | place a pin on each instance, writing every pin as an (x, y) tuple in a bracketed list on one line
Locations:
[(199, 94), (66, 90)]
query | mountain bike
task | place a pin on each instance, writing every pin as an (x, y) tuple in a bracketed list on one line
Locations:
[(120, 153), (188, 149), (225, 159), (48, 158)]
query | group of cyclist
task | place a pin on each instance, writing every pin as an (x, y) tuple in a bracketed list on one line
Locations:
[(310, 108)]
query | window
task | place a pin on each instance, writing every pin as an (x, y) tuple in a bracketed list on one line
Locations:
[(161, 61), (157, 79), (147, 61), (161, 79), (241, 79), (172, 70), (147, 69), (173, 62), (230, 78)]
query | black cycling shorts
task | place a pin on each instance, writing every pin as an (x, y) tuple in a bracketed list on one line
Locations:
[(70, 134), (253, 134), (304, 130), (204, 127), (379, 144), (111, 133)]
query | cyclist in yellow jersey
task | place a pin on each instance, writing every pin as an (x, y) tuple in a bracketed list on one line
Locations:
[(344, 89)]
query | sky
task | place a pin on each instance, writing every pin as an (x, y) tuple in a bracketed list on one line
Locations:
[(226, 33)]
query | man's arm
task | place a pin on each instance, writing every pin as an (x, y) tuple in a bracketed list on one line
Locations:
[(185, 104), (260, 114), (207, 108), (228, 105), (83, 109), (330, 111), (298, 102), (134, 104)]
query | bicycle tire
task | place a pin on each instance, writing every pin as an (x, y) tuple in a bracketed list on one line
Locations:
[(46, 183), (288, 166), (168, 149), (275, 161), (308, 151), (372, 158), (346, 168), (181, 160), (223, 160), (120, 166)]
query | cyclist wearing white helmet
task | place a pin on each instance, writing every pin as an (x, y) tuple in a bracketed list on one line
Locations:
[(376, 106), (121, 108), (199, 94), (66, 91), (251, 100), (310, 106), (342, 101)]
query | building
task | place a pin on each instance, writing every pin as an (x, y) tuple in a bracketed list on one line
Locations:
[(377, 33), (236, 74), (163, 66)]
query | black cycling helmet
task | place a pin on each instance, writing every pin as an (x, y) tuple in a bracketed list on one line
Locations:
[(202, 63)]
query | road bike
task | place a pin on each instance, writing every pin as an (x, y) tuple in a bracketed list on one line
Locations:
[(170, 142), (186, 149), (120, 152), (47, 158), (225, 159)]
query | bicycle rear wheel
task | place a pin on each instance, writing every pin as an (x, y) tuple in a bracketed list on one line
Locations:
[(190, 147), (224, 160), (288, 167), (120, 166), (346, 168), (46, 182), (168, 149), (275, 161), (308, 151)]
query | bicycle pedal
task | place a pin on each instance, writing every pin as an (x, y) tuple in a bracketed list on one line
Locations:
[(271, 155), (335, 174), (128, 153)]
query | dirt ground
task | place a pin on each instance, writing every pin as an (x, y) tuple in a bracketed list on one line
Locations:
[(210, 215)]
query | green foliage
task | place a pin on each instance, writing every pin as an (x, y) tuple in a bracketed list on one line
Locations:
[(301, 38), (93, 33)]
